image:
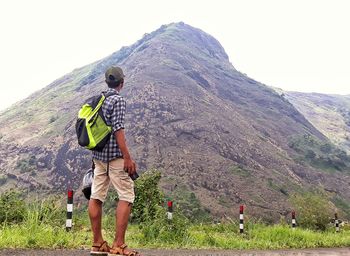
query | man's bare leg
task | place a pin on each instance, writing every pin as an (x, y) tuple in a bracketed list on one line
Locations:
[(95, 214), (122, 217)]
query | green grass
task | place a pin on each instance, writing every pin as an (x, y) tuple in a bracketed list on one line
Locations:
[(42, 236), (35, 234)]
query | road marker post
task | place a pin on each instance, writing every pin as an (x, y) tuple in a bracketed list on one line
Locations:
[(294, 223), (336, 221), (170, 210), (69, 210), (241, 219)]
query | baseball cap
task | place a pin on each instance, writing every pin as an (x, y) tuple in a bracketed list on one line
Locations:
[(114, 74)]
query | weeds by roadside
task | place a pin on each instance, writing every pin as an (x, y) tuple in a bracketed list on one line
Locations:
[(41, 224), (220, 236)]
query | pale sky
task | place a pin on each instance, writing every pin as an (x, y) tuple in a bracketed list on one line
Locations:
[(299, 45)]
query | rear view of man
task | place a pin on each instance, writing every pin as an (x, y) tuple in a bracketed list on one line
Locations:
[(115, 165)]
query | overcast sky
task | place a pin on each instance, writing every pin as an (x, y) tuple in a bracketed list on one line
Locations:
[(299, 45)]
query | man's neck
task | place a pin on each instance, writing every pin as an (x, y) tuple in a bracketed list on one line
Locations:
[(117, 90)]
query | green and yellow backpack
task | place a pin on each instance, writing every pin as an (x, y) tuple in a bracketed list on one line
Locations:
[(91, 128)]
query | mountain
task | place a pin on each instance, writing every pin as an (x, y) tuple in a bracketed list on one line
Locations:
[(219, 138), (330, 114)]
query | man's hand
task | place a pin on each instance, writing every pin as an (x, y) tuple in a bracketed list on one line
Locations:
[(129, 166)]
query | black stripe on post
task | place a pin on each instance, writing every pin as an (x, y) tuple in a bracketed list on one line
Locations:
[(241, 219), (69, 215), (69, 210)]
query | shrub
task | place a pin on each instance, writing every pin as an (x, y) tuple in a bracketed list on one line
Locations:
[(149, 212), (53, 119), (12, 207), (163, 230), (313, 211), (310, 154), (26, 164), (326, 148), (190, 206), (148, 196), (343, 205)]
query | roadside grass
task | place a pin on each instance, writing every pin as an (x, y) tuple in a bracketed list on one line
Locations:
[(35, 233), (40, 223)]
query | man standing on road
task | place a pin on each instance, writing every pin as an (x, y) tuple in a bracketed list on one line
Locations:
[(113, 165)]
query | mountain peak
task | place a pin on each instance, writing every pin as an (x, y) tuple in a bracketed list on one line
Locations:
[(177, 39), (192, 37)]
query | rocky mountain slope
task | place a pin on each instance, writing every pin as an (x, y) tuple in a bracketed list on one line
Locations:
[(330, 114), (219, 137)]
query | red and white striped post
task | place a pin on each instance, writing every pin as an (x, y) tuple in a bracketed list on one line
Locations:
[(241, 218), (336, 221), (69, 210), (294, 223), (170, 210)]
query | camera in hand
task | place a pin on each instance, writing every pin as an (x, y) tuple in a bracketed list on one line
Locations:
[(134, 176)]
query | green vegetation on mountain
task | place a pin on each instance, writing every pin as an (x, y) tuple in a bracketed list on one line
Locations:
[(320, 154), (328, 113)]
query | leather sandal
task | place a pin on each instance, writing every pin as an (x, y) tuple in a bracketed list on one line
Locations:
[(100, 249), (119, 250)]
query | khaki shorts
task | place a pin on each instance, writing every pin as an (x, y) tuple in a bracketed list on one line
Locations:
[(119, 178)]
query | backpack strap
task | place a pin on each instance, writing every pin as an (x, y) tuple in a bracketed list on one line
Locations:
[(108, 157), (111, 93)]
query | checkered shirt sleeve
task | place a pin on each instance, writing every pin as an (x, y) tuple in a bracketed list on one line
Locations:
[(118, 115)]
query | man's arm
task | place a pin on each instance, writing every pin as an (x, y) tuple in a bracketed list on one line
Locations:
[(129, 164)]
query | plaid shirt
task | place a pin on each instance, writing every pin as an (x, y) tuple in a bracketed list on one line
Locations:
[(113, 109)]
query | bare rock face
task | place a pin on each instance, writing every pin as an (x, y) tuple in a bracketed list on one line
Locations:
[(208, 128)]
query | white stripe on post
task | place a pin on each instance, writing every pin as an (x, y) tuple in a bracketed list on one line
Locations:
[(68, 223), (69, 207), (170, 215)]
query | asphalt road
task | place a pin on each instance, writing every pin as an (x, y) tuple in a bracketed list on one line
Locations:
[(148, 252)]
